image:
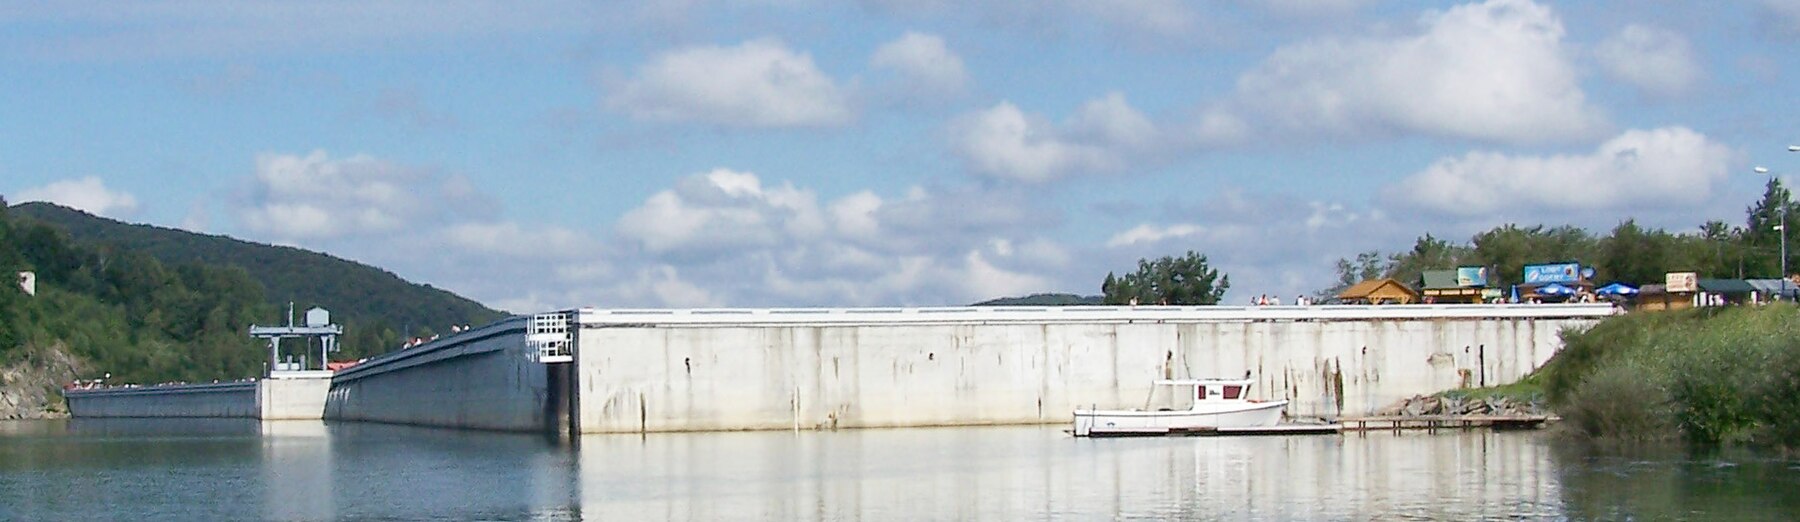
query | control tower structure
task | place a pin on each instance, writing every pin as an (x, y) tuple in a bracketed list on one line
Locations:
[(317, 326)]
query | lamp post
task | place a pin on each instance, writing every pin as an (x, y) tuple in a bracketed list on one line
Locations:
[(1784, 274), (1781, 227)]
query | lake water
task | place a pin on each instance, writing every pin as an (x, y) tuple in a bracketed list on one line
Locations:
[(246, 470)]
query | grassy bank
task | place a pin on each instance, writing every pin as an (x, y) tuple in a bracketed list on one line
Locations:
[(1708, 377)]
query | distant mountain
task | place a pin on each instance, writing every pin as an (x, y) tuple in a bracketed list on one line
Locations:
[(1045, 300), (376, 306)]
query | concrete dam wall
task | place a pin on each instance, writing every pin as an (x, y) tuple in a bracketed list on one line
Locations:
[(300, 396), (484, 378), (626, 371), (648, 371)]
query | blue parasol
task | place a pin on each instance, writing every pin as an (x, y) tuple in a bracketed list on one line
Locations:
[(1616, 289), (1555, 289)]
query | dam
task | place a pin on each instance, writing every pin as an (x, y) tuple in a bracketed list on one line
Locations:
[(639, 371)]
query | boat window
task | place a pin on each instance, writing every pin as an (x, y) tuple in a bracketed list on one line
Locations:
[(1234, 392)]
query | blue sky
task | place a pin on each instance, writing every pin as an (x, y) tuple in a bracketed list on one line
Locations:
[(887, 152)]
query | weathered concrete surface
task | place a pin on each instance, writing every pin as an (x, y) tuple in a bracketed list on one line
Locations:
[(237, 399), (484, 378), (729, 371)]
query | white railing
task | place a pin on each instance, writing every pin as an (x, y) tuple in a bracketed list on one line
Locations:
[(550, 337), (1064, 314)]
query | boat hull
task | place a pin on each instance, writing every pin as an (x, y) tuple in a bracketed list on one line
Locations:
[(1100, 423)]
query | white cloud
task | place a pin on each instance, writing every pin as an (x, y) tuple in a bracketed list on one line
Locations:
[(751, 244), (927, 67), (508, 239), (1657, 61), (1266, 243), (759, 83), (1670, 166), (316, 197), (88, 194), (1494, 71), (1149, 233), (986, 280), (1007, 143), (719, 211)]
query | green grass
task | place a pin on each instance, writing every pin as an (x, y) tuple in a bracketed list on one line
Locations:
[(1527, 390)]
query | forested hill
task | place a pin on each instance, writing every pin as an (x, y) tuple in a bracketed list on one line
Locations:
[(376, 307), (1044, 300)]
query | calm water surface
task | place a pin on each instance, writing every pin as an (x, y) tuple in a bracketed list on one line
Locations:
[(245, 470)]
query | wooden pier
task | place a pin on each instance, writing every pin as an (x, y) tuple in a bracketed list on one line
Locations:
[(1444, 422)]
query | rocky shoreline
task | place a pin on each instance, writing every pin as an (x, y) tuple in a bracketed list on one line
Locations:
[(1440, 405), (29, 386)]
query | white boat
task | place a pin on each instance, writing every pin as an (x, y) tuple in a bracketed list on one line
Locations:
[(1210, 405)]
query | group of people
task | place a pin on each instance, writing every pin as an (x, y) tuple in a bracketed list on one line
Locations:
[(416, 341), (1275, 300)]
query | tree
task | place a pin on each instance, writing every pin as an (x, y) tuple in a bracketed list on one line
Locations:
[(1368, 265), (1760, 236), (1509, 248), (1187, 280), (1428, 253), (1634, 255)]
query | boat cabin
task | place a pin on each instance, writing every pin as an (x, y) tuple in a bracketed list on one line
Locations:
[(1214, 389), (1184, 394)]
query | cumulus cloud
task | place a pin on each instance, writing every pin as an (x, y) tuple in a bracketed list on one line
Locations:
[(294, 197), (1267, 243), (722, 210), (1661, 167), (759, 83), (754, 244), (1657, 61), (927, 68), (1495, 71), (424, 225), (1005, 142), (87, 193)]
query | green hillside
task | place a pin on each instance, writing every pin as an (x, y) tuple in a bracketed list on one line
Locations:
[(376, 307), (118, 311), (1044, 300)]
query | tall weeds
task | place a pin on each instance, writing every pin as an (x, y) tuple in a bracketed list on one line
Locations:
[(1710, 377)]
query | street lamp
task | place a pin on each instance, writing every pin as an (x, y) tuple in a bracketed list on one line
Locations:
[(1782, 228)]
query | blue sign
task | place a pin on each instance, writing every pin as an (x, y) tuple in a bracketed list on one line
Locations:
[(1553, 273)]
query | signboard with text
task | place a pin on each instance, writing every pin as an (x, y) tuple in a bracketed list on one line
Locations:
[(1679, 282), (1467, 276), (1553, 273)]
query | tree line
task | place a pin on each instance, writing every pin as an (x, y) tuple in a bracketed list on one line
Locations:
[(1630, 253)]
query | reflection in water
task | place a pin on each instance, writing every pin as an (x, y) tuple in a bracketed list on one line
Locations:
[(1650, 485), (188, 469)]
